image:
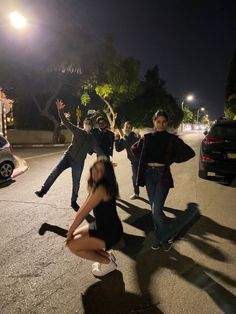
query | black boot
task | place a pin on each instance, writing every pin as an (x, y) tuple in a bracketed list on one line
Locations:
[(75, 206), (40, 193)]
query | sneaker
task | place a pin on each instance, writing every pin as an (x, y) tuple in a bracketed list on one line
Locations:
[(134, 196), (112, 257), (75, 206), (103, 269), (156, 246), (39, 193), (96, 265)]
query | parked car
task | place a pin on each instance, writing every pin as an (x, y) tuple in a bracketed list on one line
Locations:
[(218, 150), (7, 159)]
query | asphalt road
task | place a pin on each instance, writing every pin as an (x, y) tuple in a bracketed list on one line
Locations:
[(39, 275)]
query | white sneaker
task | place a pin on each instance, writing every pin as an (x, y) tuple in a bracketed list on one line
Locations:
[(96, 265), (104, 269), (112, 257), (134, 196)]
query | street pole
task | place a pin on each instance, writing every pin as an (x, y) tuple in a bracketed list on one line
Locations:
[(197, 115), (202, 109)]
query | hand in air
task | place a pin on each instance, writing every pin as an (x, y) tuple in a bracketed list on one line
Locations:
[(60, 104)]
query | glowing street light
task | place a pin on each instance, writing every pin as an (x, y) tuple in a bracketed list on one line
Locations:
[(190, 97), (202, 109), (17, 20)]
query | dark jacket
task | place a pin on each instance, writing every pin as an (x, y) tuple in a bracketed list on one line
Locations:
[(125, 143), (177, 151), (105, 139), (82, 142)]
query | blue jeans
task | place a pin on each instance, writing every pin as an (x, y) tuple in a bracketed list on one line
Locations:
[(157, 194), (76, 171), (134, 166)]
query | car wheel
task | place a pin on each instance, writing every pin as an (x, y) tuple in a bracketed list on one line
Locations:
[(203, 174), (6, 169)]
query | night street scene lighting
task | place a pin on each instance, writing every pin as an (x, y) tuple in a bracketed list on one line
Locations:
[(17, 20)]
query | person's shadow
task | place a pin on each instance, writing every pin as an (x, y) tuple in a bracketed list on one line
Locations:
[(194, 273), (138, 248), (5, 183), (99, 298)]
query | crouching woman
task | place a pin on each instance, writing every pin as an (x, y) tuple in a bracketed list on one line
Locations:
[(93, 241)]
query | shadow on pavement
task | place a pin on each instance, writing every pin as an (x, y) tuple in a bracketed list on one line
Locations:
[(195, 229), (186, 268), (5, 183), (99, 298)]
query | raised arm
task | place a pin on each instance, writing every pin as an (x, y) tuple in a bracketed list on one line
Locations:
[(60, 107)]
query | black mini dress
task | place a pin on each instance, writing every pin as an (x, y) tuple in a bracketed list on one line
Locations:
[(107, 225)]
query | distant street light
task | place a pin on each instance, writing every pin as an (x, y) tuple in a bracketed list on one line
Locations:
[(190, 97), (199, 109), (17, 20)]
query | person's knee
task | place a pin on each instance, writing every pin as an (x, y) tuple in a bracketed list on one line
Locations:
[(73, 246)]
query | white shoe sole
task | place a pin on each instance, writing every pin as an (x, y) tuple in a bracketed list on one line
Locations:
[(104, 269)]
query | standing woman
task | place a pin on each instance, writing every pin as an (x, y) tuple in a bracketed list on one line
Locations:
[(92, 241), (156, 152)]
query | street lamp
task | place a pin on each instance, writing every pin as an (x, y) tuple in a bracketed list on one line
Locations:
[(199, 109), (190, 97), (17, 20)]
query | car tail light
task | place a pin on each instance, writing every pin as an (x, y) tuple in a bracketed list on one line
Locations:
[(210, 140), (207, 158)]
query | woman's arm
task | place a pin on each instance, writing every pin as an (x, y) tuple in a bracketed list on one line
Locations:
[(93, 199)]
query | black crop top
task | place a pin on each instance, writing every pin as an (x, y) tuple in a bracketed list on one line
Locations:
[(156, 149)]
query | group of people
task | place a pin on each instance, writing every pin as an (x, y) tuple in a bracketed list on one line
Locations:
[(150, 157)]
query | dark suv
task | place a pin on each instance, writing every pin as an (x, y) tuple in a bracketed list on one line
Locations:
[(218, 150)]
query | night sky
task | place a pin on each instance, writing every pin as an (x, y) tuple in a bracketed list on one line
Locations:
[(191, 41)]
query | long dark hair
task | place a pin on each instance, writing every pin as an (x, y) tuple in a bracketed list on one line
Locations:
[(108, 181)]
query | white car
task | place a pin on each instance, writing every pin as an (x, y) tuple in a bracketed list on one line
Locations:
[(7, 159)]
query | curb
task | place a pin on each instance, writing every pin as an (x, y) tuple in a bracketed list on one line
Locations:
[(39, 145)]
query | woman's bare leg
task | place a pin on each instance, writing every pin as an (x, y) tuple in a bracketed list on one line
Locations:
[(88, 247)]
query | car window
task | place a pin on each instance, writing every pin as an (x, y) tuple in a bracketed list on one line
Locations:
[(2, 141), (224, 131)]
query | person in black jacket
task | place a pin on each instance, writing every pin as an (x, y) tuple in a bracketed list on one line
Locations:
[(156, 152), (83, 142), (105, 137), (126, 142)]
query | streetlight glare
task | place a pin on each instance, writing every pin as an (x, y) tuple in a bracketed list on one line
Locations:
[(17, 20), (190, 97)]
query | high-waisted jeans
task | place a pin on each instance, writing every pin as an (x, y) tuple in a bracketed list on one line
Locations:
[(76, 171), (157, 194)]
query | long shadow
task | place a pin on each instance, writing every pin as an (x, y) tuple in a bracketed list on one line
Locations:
[(136, 247), (142, 219), (196, 274), (5, 183), (99, 298)]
